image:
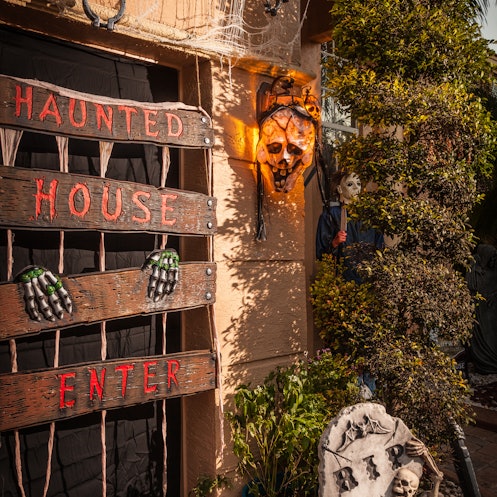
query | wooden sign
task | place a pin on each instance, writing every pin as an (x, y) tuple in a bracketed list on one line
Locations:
[(35, 105), (40, 198), (36, 397), (109, 295)]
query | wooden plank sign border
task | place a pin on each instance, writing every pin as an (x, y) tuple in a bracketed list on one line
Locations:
[(109, 295), (47, 108), (41, 198), (37, 397)]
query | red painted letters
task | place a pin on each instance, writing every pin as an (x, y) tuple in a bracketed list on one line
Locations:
[(27, 100), (65, 388), (105, 204), (156, 376), (113, 204), (95, 384), (136, 120), (50, 197), (166, 208), (82, 108), (147, 374), (144, 208), (124, 371), (85, 193), (51, 109)]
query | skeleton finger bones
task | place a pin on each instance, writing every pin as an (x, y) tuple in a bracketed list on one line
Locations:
[(44, 293), (165, 273)]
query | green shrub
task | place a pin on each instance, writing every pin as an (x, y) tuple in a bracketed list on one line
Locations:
[(276, 426), (382, 327), (417, 88)]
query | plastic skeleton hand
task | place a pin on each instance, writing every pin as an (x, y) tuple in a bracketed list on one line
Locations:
[(43, 293), (416, 448), (165, 272)]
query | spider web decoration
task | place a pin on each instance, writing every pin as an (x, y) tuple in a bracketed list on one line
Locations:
[(229, 28)]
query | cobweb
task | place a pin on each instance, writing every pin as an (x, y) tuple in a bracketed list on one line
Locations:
[(231, 28)]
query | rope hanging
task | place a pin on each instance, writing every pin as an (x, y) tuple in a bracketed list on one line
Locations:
[(166, 164), (208, 161), (9, 140), (105, 153), (63, 148)]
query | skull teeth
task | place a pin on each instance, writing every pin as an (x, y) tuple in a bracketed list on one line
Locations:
[(282, 171)]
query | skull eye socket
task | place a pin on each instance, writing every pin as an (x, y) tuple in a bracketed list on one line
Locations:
[(274, 148), (294, 150), (405, 483)]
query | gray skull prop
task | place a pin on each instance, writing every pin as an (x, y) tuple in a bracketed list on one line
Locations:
[(285, 147), (405, 483)]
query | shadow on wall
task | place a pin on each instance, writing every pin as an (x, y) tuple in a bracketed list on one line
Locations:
[(263, 284)]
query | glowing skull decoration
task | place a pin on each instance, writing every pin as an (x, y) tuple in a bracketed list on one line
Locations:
[(285, 147)]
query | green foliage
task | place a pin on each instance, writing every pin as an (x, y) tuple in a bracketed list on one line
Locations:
[(412, 73), (207, 484), (420, 385), (343, 310), (436, 39), (382, 326), (276, 426)]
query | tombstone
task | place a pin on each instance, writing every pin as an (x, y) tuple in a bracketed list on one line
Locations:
[(365, 452)]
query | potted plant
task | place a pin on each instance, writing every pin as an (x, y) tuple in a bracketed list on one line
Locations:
[(276, 426)]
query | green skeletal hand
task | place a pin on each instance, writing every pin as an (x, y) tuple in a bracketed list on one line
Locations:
[(44, 293), (165, 273)]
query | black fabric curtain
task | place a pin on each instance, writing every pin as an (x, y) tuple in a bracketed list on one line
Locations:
[(133, 440)]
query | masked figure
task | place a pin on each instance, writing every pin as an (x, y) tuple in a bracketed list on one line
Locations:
[(286, 147), (335, 234)]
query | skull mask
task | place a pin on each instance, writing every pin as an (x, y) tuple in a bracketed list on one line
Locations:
[(285, 148), (311, 105), (349, 187), (405, 483)]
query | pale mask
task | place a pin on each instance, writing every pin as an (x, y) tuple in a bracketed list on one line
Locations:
[(285, 148), (349, 187)]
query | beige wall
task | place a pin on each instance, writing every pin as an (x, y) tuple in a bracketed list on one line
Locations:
[(262, 315)]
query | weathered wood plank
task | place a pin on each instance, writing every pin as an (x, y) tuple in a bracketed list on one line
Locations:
[(109, 295), (41, 198), (36, 397), (40, 106)]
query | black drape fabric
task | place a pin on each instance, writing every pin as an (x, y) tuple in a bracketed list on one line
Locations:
[(482, 280), (134, 446)]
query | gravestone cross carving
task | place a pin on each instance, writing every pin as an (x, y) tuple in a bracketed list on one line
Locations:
[(366, 452)]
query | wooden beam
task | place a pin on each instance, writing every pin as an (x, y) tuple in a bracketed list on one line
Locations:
[(47, 108), (109, 295), (37, 397), (41, 198)]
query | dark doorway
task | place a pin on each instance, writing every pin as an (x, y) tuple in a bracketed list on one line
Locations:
[(133, 437)]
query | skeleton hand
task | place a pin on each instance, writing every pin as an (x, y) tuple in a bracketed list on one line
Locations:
[(43, 293), (165, 272), (416, 448)]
